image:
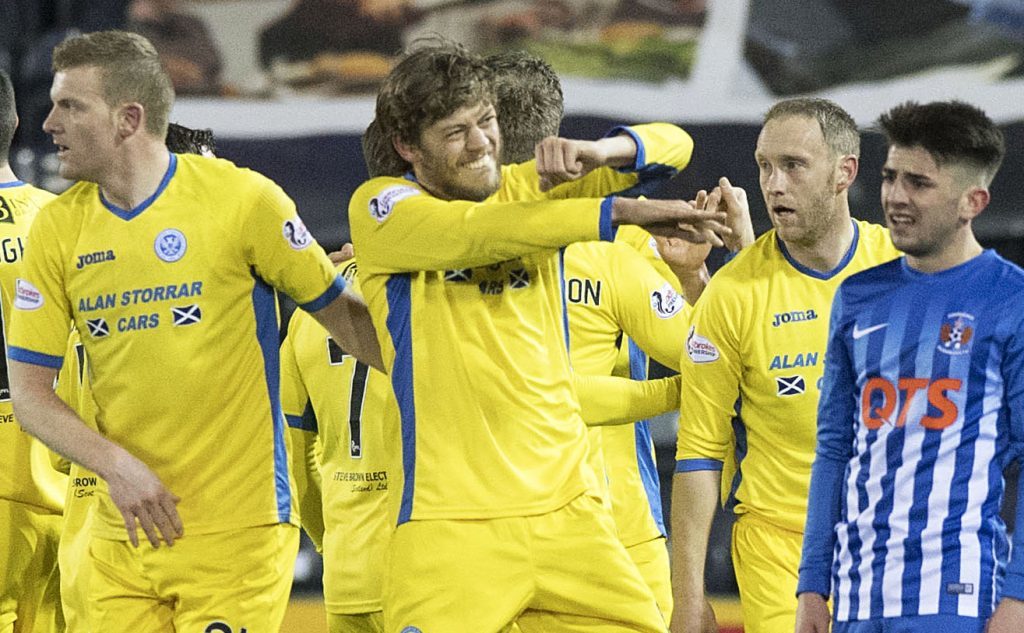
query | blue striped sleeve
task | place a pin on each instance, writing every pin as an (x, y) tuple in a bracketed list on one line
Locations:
[(329, 295), (1013, 369), (23, 355)]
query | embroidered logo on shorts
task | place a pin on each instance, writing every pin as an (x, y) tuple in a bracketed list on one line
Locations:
[(170, 245), (27, 296), (384, 202), (699, 349), (296, 233), (666, 302)]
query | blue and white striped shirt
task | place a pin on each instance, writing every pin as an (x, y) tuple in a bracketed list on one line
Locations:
[(921, 410)]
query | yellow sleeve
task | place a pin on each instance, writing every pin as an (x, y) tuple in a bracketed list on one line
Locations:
[(648, 308), (608, 400), (711, 368), (397, 227)]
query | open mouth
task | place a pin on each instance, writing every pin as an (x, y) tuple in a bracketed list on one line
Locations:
[(901, 219), (485, 161), (783, 212)]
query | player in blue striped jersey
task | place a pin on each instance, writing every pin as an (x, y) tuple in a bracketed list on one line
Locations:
[(922, 406)]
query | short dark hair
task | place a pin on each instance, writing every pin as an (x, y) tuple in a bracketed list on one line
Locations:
[(951, 131), (530, 102), (130, 69), (186, 140), (428, 84), (837, 126), (379, 154), (8, 116)]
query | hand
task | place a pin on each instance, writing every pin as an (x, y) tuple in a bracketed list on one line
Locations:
[(561, 160), (143, 501), (672, 218), (683, 257), (699, 617), (1007, 618), (733, 202), (812, 614), (345, 253)]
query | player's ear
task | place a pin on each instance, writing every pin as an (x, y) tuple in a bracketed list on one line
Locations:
[(973, 202), (409, 153), (847, 172), (130, 119)]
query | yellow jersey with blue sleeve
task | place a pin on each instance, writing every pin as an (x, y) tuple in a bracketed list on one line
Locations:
[(467, 299), (175, 303), (756, 346), (327, 392), (643, 242), (27, 475)]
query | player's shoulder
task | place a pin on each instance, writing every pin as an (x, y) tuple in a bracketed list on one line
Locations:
[(195, 169), (1010, 275), (753, 262), (378, 196), (875, 243)]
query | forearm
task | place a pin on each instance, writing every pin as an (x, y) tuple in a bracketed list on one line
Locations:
[(42, 414), (610, 400), (347, 318), (823, 512), (694, 501), (693, 282)]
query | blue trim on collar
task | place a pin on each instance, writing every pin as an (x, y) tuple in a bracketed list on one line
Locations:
[(145, 204), (409, 175), (13, 183), (810, 272)]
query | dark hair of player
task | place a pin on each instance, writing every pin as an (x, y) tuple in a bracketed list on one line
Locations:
[(951, 131), (8, 116), (530, 102), (380, 155), (430, 83), (186, 140), (837, 126)]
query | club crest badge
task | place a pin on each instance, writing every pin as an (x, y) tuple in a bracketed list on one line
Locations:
[(170, 245), (296, 233), (666, 302), (383, 203), (956, 334)]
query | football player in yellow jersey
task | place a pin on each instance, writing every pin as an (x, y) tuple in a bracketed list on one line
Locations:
[(491, 488), (756, 344), (166, 265), (31, 490), (74, 389)]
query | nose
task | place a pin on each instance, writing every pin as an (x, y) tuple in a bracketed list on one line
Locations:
[(894, 193), (477, 138), (50, 124), (774, 180)]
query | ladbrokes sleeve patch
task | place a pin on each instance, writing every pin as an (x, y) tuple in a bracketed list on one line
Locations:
[(383, 203), (296, 233), (699, 349), (27, 296), (666, 302)]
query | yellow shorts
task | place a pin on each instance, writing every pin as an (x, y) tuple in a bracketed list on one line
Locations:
[(29, 584), (651, 558), (207, 583), (560, 571), (767, 560), (73, 558), (356, 622)]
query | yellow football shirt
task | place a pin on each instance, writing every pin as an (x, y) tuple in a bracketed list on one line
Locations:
[(348, 402), (27, 475), (757, 345), (175, 304)]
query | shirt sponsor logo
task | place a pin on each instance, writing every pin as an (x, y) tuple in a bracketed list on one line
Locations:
[(790, 385), (11, 249), (296, 233), (666, 302), (585, 291), (956, 334), (94, 258), (186, 315), (27, 296), (881, 399), (960, 588), (807, 359), (384, 202), (699, 349), (796, 316), (98, 328), (170, 245)]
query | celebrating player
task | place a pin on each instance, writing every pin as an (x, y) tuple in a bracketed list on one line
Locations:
[(922, 406), (755, 346), (166, 265)]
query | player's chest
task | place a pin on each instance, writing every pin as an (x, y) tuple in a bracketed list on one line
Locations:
[(514, 280)]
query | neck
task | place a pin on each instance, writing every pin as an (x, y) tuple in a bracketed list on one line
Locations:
[(825, 253), (6, 173), (956, 252), (136, 175)]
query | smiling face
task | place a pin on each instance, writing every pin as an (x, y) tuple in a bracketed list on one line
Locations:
[(928, 207), (798, 176), (82, 124), (457, 156)]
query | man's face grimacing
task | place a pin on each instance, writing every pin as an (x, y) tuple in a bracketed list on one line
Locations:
[(798, 176), (925, 203), (457, 156)]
